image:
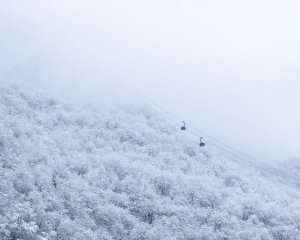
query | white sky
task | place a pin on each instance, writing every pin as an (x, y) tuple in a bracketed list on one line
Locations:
[(231, 68)]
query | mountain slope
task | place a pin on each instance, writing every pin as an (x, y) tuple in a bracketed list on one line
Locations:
[(77, 172)]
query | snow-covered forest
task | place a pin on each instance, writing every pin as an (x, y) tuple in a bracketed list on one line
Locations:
[(81, 172)]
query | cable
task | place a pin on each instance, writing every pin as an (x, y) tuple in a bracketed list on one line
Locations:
[(190, 128)]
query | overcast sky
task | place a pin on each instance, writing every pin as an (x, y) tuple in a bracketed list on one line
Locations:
[(231, 68)]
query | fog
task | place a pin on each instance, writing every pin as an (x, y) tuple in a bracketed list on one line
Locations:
[(230, 68)]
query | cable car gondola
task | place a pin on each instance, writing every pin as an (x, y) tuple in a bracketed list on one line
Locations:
[(183, 128), (202, 144)]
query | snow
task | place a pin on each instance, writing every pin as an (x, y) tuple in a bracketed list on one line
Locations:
[(76, 172)]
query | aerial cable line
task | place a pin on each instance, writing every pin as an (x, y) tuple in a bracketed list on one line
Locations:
[(211, 140), (191, 129), (171, 116)]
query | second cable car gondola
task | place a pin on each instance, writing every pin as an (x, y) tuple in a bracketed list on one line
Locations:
[(183, 128), (202, 144)]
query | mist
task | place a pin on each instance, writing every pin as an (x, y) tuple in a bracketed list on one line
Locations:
[(229, 68)]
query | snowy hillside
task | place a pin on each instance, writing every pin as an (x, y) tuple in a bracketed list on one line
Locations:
[(74, 172)]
